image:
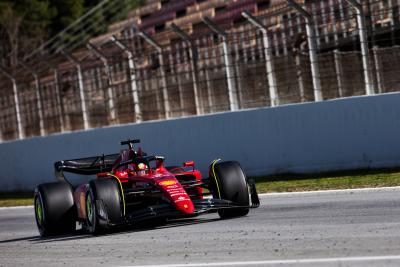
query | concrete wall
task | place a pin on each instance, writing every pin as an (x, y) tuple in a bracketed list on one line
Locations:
[(359, 132)]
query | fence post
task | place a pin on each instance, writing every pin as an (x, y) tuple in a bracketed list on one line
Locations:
[(300, 79), (77, 63), (159, 49), (273, 88), (59, 100), (362, 31), (312, 47), (391, 8), (177, 79), (193, 57), (132, 77), (232, 90), (210, 97), (378, 68), (239, 78), (110, 93), (21, 132), (339, 71), (58, 94), (38, 96), (332, 6)]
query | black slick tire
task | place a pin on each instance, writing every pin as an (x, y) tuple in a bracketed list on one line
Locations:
[(55, 212), (103, 205), (228, 181)]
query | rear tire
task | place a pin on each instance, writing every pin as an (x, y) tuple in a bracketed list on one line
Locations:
[(228, 181), (103, 194), (55, 212)]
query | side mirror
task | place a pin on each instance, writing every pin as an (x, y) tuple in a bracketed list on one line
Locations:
[(159, 163), (188, 164)]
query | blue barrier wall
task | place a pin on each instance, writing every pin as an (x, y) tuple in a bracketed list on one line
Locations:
[(352, 133)]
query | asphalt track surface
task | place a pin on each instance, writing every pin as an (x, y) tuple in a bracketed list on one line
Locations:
[(339, 228)]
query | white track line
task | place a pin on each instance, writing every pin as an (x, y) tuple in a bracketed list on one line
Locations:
[(383, 189), (16, 207), (273, 262), (369, 189)]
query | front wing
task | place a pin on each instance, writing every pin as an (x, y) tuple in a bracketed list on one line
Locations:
[(168, 210)]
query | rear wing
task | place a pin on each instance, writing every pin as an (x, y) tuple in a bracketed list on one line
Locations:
[(86, 166)]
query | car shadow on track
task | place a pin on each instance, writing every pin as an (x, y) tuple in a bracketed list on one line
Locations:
[(28, 238), (81, 234)]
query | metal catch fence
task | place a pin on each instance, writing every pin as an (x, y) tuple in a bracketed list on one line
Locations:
[(297, 51)]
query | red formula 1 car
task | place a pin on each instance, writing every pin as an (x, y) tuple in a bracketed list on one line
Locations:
[(131, 187)]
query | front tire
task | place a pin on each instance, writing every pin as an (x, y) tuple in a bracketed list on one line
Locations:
[(103, 205), (228, 181), (55, 211)]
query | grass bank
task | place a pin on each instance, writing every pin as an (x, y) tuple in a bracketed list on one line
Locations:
[(327, 181), (8, 199)]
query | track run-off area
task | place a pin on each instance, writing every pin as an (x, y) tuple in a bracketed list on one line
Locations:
[(329, 228)]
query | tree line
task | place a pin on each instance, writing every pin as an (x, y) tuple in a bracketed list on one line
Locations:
[(26, 24)]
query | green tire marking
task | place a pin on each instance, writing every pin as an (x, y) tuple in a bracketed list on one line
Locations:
[(122, 191), (215, 176), (89, 209), (39, 210)]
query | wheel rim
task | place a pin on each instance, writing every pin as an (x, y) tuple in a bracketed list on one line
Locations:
[(89, 209), (39, 210)]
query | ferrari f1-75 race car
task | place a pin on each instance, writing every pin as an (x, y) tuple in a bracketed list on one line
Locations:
[(131, 187)]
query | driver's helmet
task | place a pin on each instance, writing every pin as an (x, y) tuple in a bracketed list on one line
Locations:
[(141, 168)]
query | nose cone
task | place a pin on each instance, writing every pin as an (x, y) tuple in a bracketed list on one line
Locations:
[(178, 196), (185, 206)]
